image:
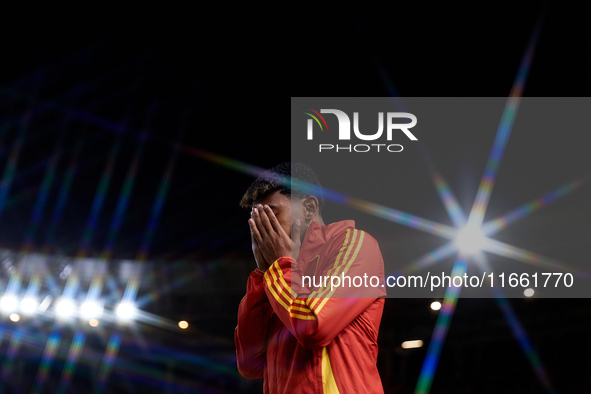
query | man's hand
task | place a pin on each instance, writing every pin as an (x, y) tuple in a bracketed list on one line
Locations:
[(258, 256), (272, 240)]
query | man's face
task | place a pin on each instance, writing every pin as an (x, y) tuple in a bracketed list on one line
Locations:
[(284, 210)]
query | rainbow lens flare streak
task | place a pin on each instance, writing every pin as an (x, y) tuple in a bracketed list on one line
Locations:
[(503, 132), (116, 221), (517, 329), (506, 250), (523, 340), (495, 225), (10, 169), (108, 361), (431, 258), (48, 178), (384, 212), (438, 337), (450, 202), (480, 204), (73, 354), (42, 195), (35, 282), (447, 197), (133, 284), (48, 357), (99, 199), (13, 347), (122, 203), (62, 198), (204, 269), (73, 282)]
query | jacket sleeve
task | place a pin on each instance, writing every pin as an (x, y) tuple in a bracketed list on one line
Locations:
[(254, 316), (315, 318)]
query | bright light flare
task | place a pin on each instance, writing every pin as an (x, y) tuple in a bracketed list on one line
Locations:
[(91, 309), (93, 322), (65, 307), (183, 325), (126, 311), (412, 344), (8, 303), (15, 317), (29, 305), (528, 292), (45, 304), (436, 305), (470, 240)]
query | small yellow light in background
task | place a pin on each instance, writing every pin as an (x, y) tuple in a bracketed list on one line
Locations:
[(528, 292), (93, 322), (412, 344), (15, 317), (436, 305), (183, 324)]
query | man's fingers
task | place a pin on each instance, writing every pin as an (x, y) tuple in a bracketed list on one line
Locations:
[(257, 221), (265, 219), (254, 241), (273, 220), (254, 231)]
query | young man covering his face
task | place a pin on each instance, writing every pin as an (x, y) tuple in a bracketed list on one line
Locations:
[(306, 339)]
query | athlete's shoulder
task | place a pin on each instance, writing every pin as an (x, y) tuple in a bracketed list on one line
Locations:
[(347, 235)]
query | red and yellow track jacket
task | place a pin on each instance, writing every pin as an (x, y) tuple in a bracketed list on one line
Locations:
[(315, 339)]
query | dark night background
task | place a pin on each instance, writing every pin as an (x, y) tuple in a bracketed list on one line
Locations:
[(214, 79)]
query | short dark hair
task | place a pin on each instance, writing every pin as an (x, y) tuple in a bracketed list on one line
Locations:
[(281, 177)]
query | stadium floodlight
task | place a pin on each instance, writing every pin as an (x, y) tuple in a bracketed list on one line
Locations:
[(529, 292), (91, 309), (8, 303), (126, 310), (412, 344), (183, 324), (29, 305), (470, 240), (65, 307)]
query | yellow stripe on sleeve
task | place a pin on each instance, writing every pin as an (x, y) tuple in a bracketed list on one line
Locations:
[(275, 295), (274, 285), (336, 268), (325, 300), (313, 296), (297, 308)]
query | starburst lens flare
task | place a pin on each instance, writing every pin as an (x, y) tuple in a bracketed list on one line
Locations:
[(91, 309), (126, 311), (8, 303), (65, 307), (28, 305), (470, 240)]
